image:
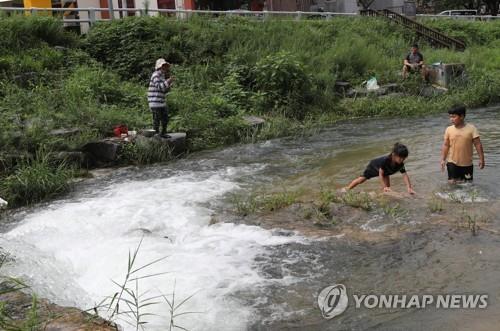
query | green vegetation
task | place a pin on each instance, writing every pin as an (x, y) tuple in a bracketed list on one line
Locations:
[(31, 321), (327, 196), (36, 179), (283, 71), (357, 200), (279, 200), (394, 210), (129, 302), (252, 203), (360, 200), (244, 205), (435, 205), (145, 152), (320, 215), (10, 285), (471, 219)]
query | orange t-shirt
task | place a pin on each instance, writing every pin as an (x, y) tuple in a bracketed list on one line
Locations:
[(460, 142)]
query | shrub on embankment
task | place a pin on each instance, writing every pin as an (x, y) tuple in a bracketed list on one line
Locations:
[(282, 70)]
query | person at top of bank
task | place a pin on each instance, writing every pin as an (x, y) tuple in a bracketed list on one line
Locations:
[(385, 166), (456, 153), (414, 62)]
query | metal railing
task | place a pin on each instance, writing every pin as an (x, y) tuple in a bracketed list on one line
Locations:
[(149, 11), (460, 17), (89, 16), (432, 35)]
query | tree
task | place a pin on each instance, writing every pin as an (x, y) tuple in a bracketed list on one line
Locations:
[(492, 6), (440, 5), (456, 4), (365, 3)]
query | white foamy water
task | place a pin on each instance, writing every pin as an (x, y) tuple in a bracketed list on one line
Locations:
[(463, 193), (72, 250), (373, 224)]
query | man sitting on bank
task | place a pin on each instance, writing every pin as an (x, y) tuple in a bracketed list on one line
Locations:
[(413, 62)]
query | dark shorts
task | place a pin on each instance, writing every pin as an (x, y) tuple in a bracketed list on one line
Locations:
[(410, 68), (369, 173), (460, 173)]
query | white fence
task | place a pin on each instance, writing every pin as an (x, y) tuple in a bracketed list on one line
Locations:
[(86, 17)]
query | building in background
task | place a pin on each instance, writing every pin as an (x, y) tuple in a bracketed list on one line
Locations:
[(337, 6), (116, 4), (353, 6), (289, 5), (11, 3)]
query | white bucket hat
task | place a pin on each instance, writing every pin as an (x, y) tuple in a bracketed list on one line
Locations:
[(160, 63)]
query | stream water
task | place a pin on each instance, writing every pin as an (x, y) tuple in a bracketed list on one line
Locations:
[(247, 277)]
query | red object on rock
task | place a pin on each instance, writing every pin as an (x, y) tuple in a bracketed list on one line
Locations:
[(119, 130)]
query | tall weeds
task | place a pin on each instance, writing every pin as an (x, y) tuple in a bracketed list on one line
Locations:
[(35, 180), (129, 304)]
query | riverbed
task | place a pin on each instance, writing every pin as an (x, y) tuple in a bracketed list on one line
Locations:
[(263, 272)]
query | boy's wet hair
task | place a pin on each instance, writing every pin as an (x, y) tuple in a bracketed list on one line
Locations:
[(457, 110), (414, 45), (400, 150)]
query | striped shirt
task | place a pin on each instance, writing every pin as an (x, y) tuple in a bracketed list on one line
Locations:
[(158, 88)]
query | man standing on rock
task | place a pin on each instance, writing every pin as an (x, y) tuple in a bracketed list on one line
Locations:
[(159, 85)]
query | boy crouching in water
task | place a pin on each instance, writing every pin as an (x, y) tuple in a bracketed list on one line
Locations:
[(385, 166)]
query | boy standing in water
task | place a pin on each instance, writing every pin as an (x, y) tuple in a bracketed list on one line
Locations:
[(385, 166), (456, 153)]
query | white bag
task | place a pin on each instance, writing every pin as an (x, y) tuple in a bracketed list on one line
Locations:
[(371, 84)]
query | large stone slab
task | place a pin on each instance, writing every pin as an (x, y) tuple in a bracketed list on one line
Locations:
[(391, 88), (73, 157), (432, 91), (176, 142), (62, 132), (107, 151), (363, 92), (253, 121), (342, 88), (50, 317), (104, 151)]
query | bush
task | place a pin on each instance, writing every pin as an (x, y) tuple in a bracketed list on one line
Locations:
[(472, 32), (20, 33), (131, 46), (283, 83), (205, 128), (100, 86), (32, 67)]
